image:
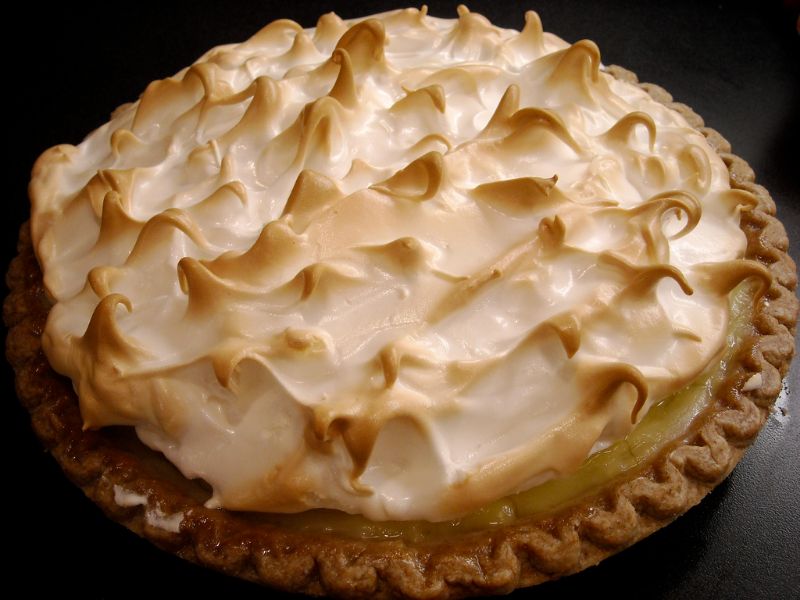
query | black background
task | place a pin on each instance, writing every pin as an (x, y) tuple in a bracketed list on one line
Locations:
[(735, 64)]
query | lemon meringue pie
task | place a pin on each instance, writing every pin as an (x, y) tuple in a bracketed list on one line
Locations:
[(405, 277)]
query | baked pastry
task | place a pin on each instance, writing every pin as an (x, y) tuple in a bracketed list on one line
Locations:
[(505, 201)]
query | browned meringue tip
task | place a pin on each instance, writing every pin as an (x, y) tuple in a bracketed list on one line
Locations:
[(364, 43), (623, 128), (419, 181)]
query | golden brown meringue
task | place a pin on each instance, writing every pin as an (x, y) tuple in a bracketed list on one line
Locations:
[(400, 266)]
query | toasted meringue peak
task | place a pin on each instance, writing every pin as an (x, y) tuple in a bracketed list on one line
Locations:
[(421, 99), (364, 42), (399, 266), (420, 180), (621, 130)]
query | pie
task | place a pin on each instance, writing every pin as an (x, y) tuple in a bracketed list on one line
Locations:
[(401, 305)]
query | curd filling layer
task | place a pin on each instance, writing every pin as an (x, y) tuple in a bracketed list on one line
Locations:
[(399, 266)]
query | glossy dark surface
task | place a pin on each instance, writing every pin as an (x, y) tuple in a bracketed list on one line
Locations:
[(737, 67)]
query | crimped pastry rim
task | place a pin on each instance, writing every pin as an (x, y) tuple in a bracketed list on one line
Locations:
[(497, 560)]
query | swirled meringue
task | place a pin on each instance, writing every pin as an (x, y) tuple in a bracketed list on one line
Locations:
[(399, 266)]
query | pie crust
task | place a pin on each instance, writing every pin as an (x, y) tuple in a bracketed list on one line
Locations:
[(497, 559)]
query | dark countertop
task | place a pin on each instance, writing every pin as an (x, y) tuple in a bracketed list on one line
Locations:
[(739, 68)]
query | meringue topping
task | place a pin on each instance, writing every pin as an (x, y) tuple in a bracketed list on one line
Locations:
[(399, 266)]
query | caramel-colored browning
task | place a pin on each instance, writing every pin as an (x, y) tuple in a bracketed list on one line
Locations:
[(399, 266)]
